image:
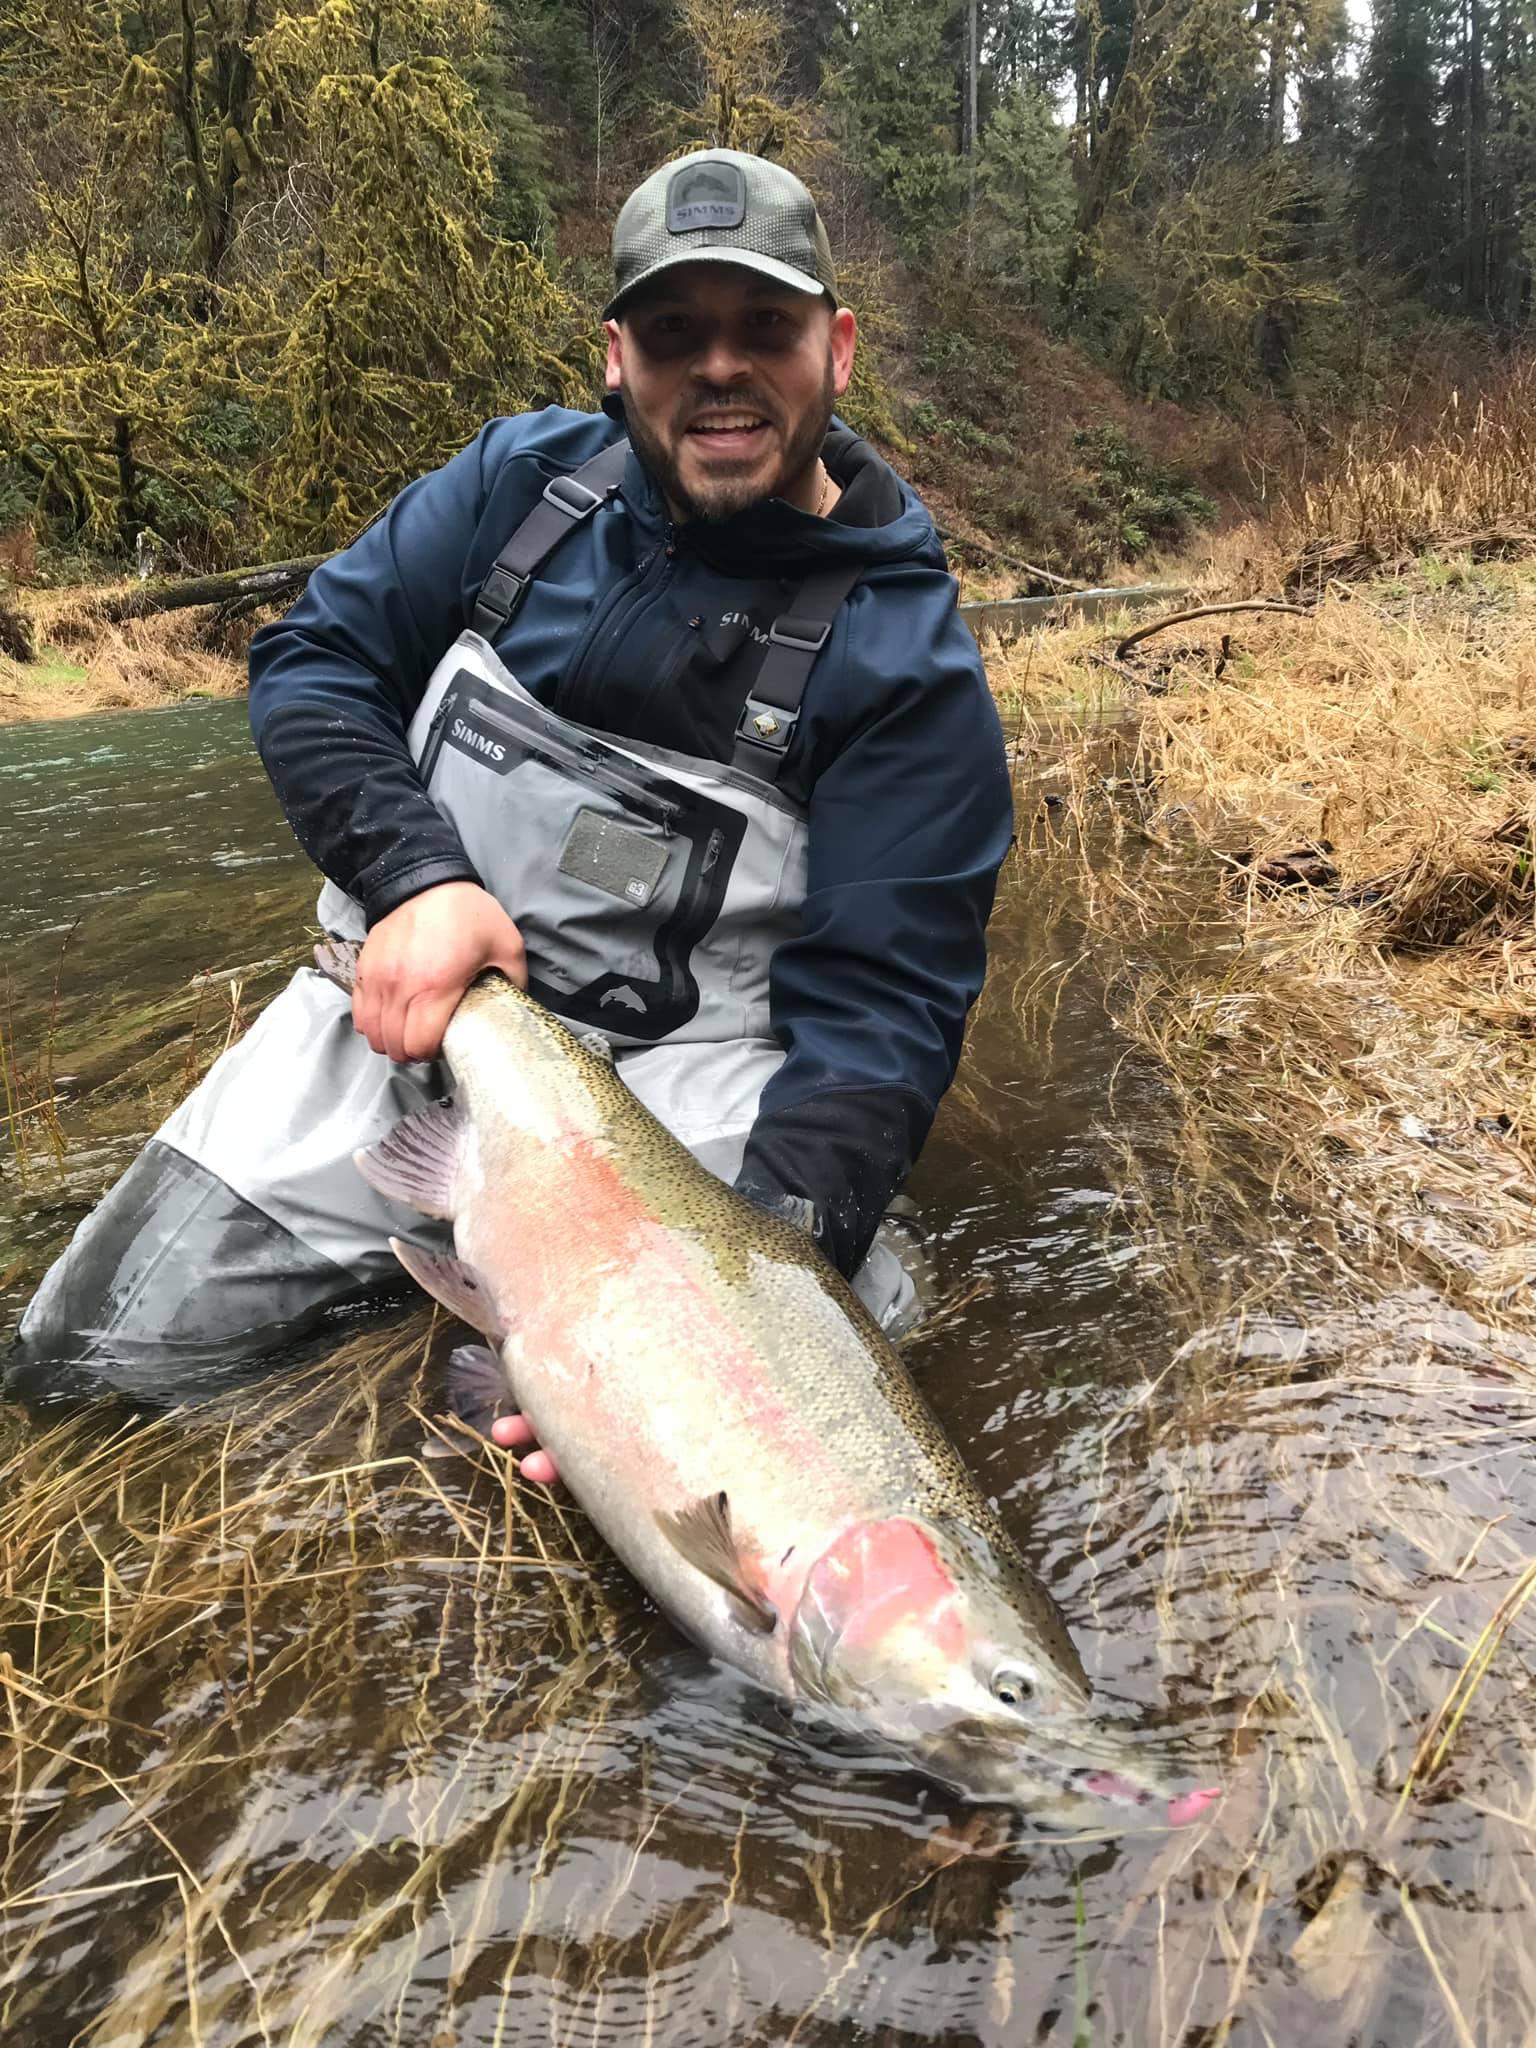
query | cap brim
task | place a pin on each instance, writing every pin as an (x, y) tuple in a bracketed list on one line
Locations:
[(741, 259)]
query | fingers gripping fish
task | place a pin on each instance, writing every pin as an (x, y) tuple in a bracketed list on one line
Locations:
[(735, 1423)]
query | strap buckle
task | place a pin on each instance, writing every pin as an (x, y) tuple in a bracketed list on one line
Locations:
[(766, 725), (500, 595), (806, 636), (572, 497)]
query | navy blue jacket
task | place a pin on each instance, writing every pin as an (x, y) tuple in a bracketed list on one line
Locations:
[(650, 631)]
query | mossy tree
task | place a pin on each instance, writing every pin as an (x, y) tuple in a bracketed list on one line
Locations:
[(256, 284)]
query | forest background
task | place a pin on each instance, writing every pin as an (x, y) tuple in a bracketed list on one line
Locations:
[(1121, 264)]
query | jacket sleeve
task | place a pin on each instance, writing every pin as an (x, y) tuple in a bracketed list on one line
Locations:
[(334, 686), (908, 825)]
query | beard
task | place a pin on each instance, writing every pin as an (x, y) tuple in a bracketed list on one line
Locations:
[(717, 499)]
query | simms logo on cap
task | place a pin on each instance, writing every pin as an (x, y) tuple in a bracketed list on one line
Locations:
[(706, 196)]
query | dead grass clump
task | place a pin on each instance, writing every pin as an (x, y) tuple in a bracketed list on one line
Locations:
[(1363, 1048), (1471, 886), (83, 664), (1392, 489), (145, 662)]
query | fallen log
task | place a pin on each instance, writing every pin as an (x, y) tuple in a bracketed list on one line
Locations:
[(1210, 611), (985, 547), (270, 581)]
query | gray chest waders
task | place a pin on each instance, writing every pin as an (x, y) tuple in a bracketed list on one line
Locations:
[(651, 890)]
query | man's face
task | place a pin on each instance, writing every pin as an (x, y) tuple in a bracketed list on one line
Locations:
[(729, 381)]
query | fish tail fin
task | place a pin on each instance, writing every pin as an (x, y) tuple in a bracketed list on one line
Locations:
[(337, 960)]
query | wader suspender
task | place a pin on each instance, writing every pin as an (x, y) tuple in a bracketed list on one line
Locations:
[(567, 500), (796, 637)]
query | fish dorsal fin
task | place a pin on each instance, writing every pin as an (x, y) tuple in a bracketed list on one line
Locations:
[(457, 1286), (596, 1044), (418, 1162), (701, 1534)]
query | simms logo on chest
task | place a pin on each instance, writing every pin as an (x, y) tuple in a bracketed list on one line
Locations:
[(475, 742)]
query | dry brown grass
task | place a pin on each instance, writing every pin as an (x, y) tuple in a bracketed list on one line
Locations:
[(86, 665), (1396, 485), (1372, 1044)]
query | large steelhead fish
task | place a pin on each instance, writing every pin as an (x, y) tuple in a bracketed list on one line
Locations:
[(735, 1424)]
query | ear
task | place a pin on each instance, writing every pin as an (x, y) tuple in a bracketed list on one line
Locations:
[(845, 334), (613, 376)]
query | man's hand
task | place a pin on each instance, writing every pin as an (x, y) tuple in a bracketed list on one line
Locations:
[(419, 960), (515, 1433)]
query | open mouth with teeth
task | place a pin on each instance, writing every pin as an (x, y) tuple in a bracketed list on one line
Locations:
[(728, 433)]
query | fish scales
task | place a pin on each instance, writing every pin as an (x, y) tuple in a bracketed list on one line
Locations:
[(737, 1426), (659, 1232)]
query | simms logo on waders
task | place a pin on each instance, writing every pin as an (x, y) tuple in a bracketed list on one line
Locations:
[(472, 741), (712, 195)]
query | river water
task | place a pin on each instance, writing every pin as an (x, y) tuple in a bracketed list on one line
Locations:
[(316, 1742)]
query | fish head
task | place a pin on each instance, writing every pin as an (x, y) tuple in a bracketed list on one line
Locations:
[(950, 1652)]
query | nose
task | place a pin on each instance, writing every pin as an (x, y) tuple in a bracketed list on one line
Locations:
[(721, 359)]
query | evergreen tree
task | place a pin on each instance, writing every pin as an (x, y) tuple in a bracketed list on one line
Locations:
[(1399, 180), (1024, 222), (898, 82)]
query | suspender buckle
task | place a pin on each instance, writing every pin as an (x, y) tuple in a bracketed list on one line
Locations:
[(568, 494), (806, 636), (766, 725), (500, 595)]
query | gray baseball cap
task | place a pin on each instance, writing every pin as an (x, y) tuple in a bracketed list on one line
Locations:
[(721, 206)]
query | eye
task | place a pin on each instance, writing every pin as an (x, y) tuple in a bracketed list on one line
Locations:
[(1012, 1688)]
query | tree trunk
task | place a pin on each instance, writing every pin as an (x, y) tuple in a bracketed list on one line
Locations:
[(1474, 271), (1279, 75), (972, 63), (273, 580)]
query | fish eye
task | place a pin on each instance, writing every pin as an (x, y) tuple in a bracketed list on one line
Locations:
[(1011, 1688)]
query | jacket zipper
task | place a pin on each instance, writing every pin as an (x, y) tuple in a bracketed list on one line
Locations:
[(589, 665)]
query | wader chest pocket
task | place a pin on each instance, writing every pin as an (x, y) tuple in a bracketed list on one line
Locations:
[(615, 871), (612, 856)]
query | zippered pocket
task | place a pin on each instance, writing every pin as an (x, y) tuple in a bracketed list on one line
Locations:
[(474, 723), (614, 871)]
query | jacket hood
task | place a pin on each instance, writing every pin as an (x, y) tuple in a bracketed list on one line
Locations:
[(879, 518)]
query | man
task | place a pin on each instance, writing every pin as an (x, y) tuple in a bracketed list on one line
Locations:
[(664, 711)]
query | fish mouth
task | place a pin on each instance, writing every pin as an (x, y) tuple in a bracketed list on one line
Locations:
[(1056, 1787)]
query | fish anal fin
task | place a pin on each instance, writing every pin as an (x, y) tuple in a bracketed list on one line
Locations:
[(418, 1163), (457, 1286), (701, 1534)]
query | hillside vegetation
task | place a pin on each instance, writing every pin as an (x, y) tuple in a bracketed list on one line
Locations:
[(1123, 265)]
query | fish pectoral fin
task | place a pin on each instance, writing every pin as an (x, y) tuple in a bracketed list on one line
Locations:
[(701, 1534), (477, 1386), (418, 1162), (457, 1286), (337, 960)]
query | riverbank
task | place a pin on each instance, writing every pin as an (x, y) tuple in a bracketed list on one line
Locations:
[(1341, 807), (83, 664)]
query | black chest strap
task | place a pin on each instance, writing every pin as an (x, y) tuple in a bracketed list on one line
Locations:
[(796, 637), (566, 502), (772, 710)]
